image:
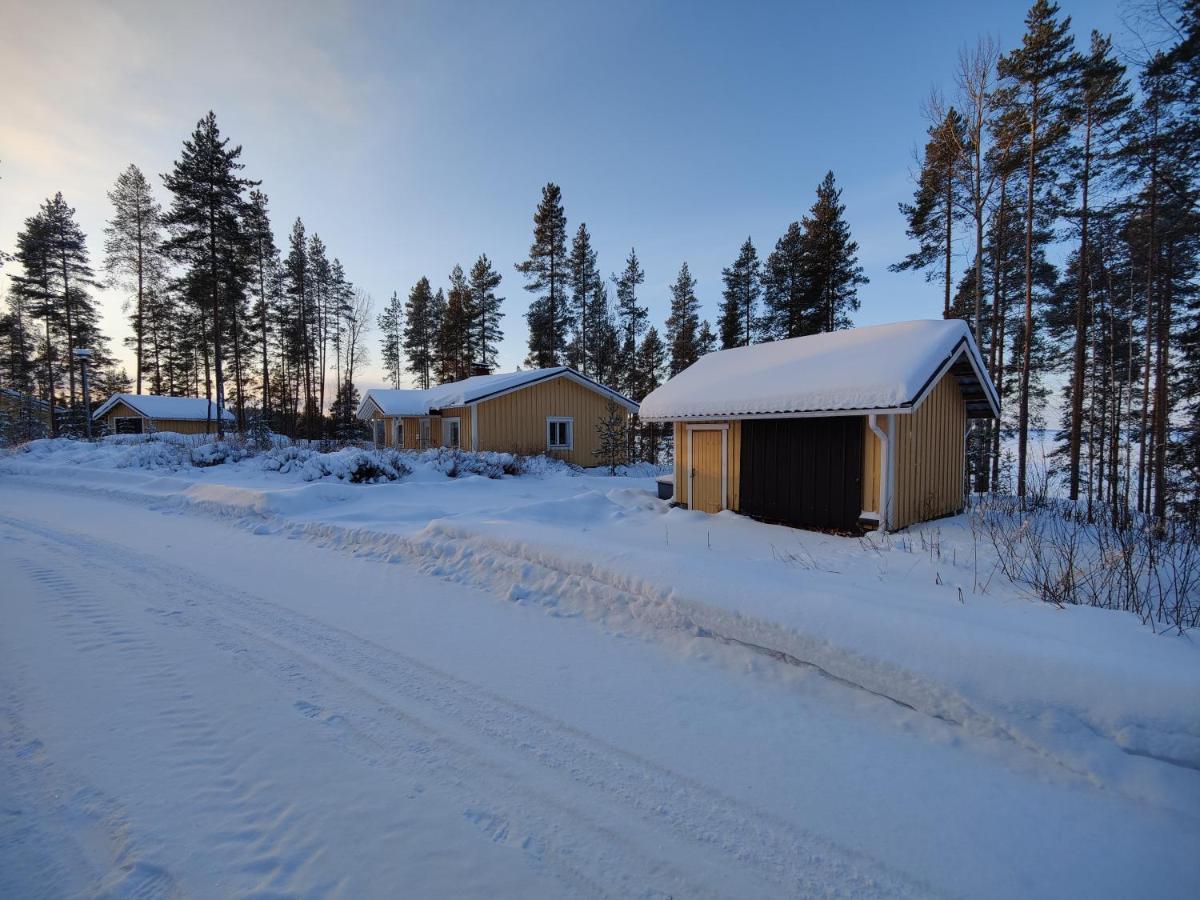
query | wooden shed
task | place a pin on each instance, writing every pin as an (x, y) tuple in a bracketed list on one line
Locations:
[(150, 413), (555, 411), (859, 428)]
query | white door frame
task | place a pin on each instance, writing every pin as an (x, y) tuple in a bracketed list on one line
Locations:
[(724, 429)]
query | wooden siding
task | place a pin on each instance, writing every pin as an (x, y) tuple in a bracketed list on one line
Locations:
[(872, 450), (733, 464), (121, 410), (516, 422), (930, 457)]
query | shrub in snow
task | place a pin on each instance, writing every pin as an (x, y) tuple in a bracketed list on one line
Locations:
[(286, 459), (546, 465), (351, 464), (216, 453), (150, 455), (455, 463)]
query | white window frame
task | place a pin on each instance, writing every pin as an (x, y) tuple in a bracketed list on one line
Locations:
[(724, 429), (452, 423), (569, 421), (398, 430)]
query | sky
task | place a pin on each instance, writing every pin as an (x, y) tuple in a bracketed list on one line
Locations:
[(413, 136)]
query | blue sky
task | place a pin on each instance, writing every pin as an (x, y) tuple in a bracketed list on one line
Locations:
[(411, 136)]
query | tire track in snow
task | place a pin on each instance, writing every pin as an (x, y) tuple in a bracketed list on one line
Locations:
[(206, 761), (571, 803)]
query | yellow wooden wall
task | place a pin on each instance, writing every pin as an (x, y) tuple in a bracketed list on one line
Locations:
[(930, 455), (872, 450), (516, 422), (733, 463), (180, 426)]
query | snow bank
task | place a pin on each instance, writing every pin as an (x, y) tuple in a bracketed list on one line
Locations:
[(924, 618)]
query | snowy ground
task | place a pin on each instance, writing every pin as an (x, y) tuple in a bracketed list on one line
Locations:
[(226, 681)]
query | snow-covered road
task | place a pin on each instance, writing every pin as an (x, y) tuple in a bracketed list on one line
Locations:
[(189, 709)]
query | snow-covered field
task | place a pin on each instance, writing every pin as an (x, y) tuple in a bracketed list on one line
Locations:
[(224, 681)]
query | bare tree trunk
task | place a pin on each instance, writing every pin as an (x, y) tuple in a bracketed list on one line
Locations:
[(1081, 323), (1027, 348)]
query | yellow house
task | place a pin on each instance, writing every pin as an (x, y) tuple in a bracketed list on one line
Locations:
[(554, 411), (148, 413), (832, 431)]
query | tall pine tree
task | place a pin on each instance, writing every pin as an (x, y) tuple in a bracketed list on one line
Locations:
[(391, 339), (547, 272), (485, 304), (132, 252), (1037, 81), (204, 222), (683, 323), (832, 272), (739, 299)]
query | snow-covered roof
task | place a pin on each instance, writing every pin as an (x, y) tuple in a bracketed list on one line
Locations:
[(472, 390), (881, 368), (154, 407)]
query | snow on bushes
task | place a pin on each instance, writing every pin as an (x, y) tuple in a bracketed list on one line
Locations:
[(351, 464), (455, 463), (216, 453)]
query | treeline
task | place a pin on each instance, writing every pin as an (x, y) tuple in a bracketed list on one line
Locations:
[(1051, 144), (808, 284), (215, 309)]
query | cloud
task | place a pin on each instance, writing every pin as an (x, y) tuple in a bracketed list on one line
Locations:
[(91, 87)]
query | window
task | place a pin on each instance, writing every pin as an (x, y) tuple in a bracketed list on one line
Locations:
[(127, 424), (380, 432), (559, 433), (450, 431)]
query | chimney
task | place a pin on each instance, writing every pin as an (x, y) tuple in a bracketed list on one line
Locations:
[(478, 369)]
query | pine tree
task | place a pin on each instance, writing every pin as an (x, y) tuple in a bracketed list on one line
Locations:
[(421, 324), (832, 273), (132, 251), (683, 323), (607, 363), (264, 262), (632, 318), (485, 305), (743, 287), (613, 438), (320, 277), (651, 363), (584, 275), (1103, 103), (454, 331), (391, 339), (547, 271), (34, 292), (786, 312), (1036, 80), (706, 340), (298, 344), (206, 236), (938, 201), (54, 287)]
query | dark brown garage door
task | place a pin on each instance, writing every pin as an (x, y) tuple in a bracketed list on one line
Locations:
[(803, 472)]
